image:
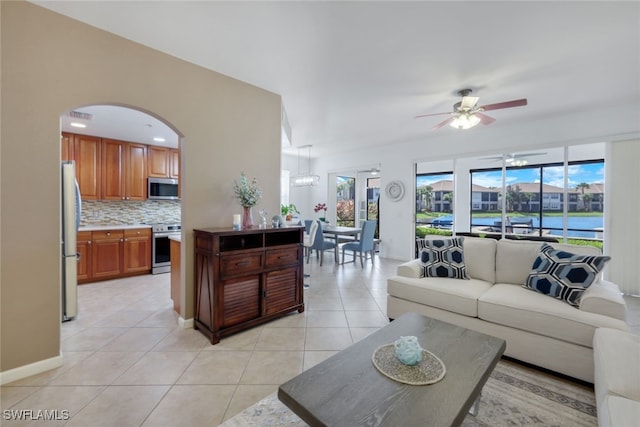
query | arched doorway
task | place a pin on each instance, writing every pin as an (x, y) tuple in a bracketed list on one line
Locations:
[(116, 150)]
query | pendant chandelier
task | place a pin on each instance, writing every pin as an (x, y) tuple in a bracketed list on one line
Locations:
[(305, 179)]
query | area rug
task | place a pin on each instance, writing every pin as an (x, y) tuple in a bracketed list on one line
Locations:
[(514, 395)]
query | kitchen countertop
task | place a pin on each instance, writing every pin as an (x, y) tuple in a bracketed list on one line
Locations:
[(177, 238), (96, 227)]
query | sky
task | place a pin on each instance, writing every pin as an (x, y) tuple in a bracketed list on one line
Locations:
[(589, 173)]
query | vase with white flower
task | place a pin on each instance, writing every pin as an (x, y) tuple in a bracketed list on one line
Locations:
[(248, 193), (321, 207)]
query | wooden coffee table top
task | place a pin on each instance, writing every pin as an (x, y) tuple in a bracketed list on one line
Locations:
[(348, 390)]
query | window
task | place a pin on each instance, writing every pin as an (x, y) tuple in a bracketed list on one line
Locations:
[(434, 203), (345, 201), (535, 200)]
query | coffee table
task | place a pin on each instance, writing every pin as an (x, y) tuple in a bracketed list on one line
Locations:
[(348, 390)]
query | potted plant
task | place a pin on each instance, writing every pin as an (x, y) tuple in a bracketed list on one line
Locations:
[(248, 193), (321, 207), (287, 211)]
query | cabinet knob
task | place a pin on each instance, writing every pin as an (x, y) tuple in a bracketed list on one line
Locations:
[(89, 242), (108, 233), (126, 240), (138, 233), (122, 240)]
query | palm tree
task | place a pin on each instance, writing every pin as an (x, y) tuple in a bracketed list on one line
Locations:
[(423, 195), (581, 187)]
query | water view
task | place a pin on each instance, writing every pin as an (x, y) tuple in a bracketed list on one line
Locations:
[(578, 226)]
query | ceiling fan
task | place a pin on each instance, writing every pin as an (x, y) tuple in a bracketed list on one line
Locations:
[(520, 159), (466, 113)]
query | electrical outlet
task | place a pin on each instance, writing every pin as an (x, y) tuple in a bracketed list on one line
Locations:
[(96, 214)]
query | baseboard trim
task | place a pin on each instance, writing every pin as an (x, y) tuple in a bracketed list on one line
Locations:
[(185, 323), (25, 371)]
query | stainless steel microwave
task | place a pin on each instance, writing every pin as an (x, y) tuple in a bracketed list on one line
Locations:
[(162, 189)]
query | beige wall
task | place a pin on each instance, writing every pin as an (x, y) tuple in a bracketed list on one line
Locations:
[(51, 64)]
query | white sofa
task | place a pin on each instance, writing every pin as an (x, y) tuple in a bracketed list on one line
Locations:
[(538, 329), (616, 357)]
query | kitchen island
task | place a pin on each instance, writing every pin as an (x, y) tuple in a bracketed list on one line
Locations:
[(176, 243)]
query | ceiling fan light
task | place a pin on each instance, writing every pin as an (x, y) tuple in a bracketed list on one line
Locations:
[(465, 121)]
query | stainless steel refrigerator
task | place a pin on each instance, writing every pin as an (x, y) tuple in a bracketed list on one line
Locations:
[(71, 209)]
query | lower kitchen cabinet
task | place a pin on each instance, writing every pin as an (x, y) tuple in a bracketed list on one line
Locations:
[(106, 253), (109, 254), (84, 256), (245, 278), (137, 251)]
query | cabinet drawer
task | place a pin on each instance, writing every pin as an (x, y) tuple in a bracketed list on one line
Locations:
[(137, 232), (107, 234), (238, 265), (279, 257)]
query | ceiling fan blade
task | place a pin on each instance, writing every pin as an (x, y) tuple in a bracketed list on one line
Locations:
[(442, 124), (427, 115), (468, 102), (507, 104), (484, 119)]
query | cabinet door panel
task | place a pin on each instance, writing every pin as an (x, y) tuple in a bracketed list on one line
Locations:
[(174, 162), (112, 170), (137, 254), (87, 156), (157, 161), (84, 252), (281, 290), (136, 172), (67, 147), (240, 300)]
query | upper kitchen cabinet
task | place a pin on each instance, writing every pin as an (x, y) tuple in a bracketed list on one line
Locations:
[(163, 162), (124, 170), (86, 153), (66, 141), (174, 171)]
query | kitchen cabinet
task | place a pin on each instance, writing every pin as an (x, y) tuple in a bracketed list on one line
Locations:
[(137, 250), (174, 156), (245, 278), (83, 242), (113, 253), (106, 253), (163, 162), (66, 143), (86, 152), (124, 170)]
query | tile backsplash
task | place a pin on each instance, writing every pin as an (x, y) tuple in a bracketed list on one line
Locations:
[(97, 212)]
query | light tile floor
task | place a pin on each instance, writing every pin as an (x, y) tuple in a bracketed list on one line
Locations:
[(127, 363)]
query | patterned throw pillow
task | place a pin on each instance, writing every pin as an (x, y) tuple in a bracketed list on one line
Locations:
[(443, 258), (564, 275)]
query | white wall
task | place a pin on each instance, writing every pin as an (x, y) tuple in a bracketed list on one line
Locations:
[(622, 215)]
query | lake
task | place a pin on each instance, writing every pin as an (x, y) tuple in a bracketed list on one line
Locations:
[(575, 224)]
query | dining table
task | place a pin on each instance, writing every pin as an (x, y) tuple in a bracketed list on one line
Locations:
[(335, 231)]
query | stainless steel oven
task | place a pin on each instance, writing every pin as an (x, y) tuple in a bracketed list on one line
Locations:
[(160, 248)]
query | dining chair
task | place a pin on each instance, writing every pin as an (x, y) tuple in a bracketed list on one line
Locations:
[(307, 225), (320, 244), (365, 245), (310, 238)]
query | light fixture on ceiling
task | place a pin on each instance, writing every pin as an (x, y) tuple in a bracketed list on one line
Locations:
[(517, 162), (158, 139), (465, 120), (78, 125), (305, 179)]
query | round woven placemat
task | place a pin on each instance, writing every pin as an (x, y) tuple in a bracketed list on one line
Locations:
[(430, 370)]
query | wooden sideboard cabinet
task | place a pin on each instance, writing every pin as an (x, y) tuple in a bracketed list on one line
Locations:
[(245, 278)]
